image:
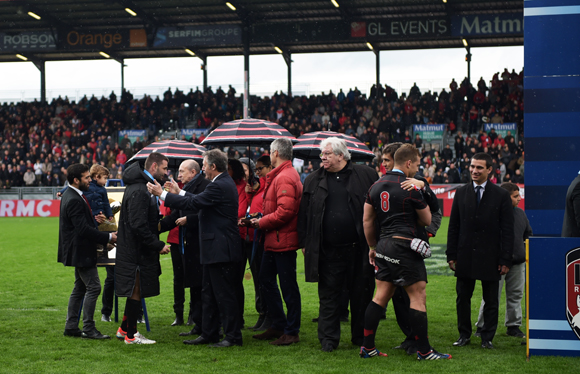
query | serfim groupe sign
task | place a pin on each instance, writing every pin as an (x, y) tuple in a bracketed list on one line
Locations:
[(105, 39)]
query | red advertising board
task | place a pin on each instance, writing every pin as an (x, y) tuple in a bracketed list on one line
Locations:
[(446, 193), (29, 208)]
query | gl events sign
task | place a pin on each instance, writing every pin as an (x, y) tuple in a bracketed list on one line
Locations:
[(29, 208)]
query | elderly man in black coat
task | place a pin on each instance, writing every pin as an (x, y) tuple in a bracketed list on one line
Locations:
[(571, 224), (330, 231), (187, 270), (480, 242), (78, 237), (137, 265)]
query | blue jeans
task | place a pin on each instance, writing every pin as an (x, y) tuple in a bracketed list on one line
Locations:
[(87, 285), (282, 264)]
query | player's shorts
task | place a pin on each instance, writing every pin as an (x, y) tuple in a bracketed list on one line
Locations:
[(397, 263)]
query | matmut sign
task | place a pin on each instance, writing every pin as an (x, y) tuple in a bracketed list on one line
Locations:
[(29, 208)]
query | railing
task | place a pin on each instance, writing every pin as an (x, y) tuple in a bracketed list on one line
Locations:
[(29, 193)]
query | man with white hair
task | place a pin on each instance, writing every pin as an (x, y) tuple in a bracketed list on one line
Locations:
[(331, 234)]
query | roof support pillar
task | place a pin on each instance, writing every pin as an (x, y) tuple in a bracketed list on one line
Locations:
[(41, 66), (246, 42)]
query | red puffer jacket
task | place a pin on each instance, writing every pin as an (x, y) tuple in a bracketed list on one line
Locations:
[(282, 196)]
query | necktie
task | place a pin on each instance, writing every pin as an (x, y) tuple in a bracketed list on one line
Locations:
[(87, 201), (478, 194)]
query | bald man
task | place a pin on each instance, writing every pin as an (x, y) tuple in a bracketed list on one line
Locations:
[(187, 271)]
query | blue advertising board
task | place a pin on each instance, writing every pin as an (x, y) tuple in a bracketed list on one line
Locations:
[(553, 296), (201, 35), (487, 24)]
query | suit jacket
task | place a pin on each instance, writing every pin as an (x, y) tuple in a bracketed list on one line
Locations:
[(480, 238), (189, 233), (571, 225), (77, 234), (217, 208)]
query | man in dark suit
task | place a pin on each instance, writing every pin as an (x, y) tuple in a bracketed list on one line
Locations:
[(479, 246), (77, 246), (571, 225), (221, 250), (187, 271)]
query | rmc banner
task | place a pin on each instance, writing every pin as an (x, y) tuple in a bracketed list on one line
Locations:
[(29, 208)]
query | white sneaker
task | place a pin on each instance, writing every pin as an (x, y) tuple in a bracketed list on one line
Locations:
[(139, 339)]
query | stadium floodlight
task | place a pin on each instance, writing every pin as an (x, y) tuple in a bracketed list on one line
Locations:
[(231, 6), (278, 50), (189, 51), (370, 46), (465, 44), (34, 15), (21, 57), (104, 54), (445, 1), (334, 3), (130, 11)]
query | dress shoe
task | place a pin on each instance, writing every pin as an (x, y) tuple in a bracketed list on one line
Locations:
[(190, 321), (486, 344), (327, 347), (194, 331), (269, 334), (477, 333), (224, 344), (404, 345), (178, 321), (76, 333), (286, 340), (266, 325), (95, 334), (515, 332), (199, 340), (141, 320), (462, 342), (105, 318), (259, 323)]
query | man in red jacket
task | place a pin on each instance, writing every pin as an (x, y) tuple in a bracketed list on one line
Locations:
[(282, 196)]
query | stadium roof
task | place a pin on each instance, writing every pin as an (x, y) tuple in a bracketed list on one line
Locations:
[(52, 30)]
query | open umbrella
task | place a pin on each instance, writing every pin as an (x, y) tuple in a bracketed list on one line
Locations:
[(175, 150), (308, 147), (247, 132)]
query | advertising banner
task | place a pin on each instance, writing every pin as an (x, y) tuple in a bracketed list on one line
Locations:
[(189, 132), (29, 208), (401, 28), (133, 134), (202, 35), (501, 128), (429, 132), (487, 24), (104, 39), (289, 32), (27, 41)]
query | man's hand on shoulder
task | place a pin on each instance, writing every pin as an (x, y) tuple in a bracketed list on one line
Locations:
[(412, 183)]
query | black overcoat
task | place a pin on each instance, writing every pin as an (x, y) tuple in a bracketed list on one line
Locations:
[(480, 238)]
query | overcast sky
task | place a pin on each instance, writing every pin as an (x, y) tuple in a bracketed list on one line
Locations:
[(311, 73)]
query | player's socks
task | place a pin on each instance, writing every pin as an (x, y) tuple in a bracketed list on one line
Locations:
[(124, 323), (133, 310), (372, 318), (419, 324)]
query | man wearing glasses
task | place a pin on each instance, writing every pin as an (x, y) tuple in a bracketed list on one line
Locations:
[(331, 234)]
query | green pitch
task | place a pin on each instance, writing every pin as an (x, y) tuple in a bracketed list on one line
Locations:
[(34, 291)]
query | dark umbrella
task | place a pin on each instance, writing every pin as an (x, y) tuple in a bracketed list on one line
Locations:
[(247, 132), (175, 150), (308, 147)]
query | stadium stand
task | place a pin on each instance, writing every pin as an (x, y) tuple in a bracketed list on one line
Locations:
[(38, 142)]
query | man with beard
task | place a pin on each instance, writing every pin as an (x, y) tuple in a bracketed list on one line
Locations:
[(137, 266), (77, 246)]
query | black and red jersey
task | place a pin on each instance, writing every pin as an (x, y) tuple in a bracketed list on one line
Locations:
[(394, 206)]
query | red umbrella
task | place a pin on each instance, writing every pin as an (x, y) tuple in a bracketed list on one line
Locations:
[(247, 131), (175, 150), (308, 147)]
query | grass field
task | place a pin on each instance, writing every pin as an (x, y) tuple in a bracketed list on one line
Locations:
[(34, 291)]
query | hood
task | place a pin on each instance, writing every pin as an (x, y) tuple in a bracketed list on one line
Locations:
[(134, 174)]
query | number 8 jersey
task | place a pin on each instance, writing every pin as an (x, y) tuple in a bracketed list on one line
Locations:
[(395, 207)]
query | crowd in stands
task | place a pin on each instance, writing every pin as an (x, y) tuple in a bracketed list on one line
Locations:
[(39, 141)]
